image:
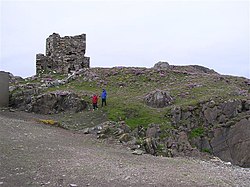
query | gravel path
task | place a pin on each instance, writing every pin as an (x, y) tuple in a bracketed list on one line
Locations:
[(33, 154)]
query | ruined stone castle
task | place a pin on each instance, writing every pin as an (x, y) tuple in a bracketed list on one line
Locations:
[(63, 54)]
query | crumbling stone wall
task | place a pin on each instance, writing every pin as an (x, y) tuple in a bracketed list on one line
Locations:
[(63, 54)]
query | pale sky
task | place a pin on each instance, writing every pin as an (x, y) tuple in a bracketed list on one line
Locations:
[(137, 33)]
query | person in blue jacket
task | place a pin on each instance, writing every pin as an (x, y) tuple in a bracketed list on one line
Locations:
[(104, 97)]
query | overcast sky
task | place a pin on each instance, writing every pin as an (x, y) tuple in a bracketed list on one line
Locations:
[(214, 34)]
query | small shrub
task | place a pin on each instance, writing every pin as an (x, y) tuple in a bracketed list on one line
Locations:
[(206, 150), (197, 132), (48, 121), (139, 141)]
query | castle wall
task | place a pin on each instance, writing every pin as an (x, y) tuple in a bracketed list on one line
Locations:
[(63, 54)]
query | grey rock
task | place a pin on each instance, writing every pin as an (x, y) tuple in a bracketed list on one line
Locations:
[(158, 99), (86, 131), (125, 137), (203, 69), (211, 114), (222, 118), (231, 108), (102, 136), (161, 65), (183, 142), (186, 115), (176, 114), (137, 152), (124, 127), (238, 141), (47, 103), (153, 131), (202, 144), (246, 105), (232, 144), (150, 145)]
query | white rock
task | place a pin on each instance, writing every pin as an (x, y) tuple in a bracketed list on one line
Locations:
[(137, 152)]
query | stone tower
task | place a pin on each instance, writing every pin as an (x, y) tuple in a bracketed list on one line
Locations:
[(63, 54)]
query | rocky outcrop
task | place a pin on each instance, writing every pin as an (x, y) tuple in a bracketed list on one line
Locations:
[(58, 101), (48, 103), (233, 143), (220, 128), (14, 79), (161, 65), (22, 95), (158, 99), (190, 69), (150, 140), (203, 69)]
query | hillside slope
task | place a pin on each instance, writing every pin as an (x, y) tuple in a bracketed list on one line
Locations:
[(34, 154), (204, 110)]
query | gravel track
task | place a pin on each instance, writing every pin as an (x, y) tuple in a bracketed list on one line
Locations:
[(33, 154)]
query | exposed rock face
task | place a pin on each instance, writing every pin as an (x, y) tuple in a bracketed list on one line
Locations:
[(233, 143), (188, 69), (222, 129), (63, 54), (153, 131), (161, 65), (22, 95), (48, 103), (14, 79), (203, 69), (158, 99), (55, 102), (198, 130), (148, 140)]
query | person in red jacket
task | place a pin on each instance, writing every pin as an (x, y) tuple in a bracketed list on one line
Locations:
[(95, 101)]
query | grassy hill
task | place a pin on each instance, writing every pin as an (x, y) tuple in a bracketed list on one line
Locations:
[(209, 112), (126, 88)]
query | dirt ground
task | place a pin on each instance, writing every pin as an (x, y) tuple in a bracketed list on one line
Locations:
[(34, 154)]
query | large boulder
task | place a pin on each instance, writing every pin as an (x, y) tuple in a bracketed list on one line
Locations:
[(231, 108), (150, 145), (211, 114), (47, 103), (220, 128), (232, 144), (161, 65), (21, 96), (58, 101), (158, 99), (153, 131)]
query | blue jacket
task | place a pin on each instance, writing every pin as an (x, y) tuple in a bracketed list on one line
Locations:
[(104, 94)]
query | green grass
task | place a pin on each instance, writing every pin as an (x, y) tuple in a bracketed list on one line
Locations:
[(126, 102), (206, 150), (132, 112), (197, 132)]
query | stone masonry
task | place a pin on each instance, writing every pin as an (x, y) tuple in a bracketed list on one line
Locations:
[(63, 54)]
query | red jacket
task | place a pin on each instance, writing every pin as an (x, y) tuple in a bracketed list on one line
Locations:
[(94, 99)]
